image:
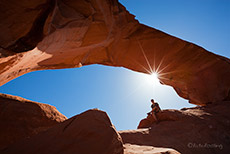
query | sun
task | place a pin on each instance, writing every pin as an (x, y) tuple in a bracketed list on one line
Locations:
[(152, 78)]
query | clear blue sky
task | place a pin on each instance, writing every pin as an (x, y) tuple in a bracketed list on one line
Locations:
[(123, 94)]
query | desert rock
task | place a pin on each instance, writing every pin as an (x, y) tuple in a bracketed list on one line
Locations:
[(137, 149), (21, 118), (197, 130), (39, 34), (88, 133)]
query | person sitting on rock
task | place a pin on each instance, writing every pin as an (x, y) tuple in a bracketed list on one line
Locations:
[(155, 109)]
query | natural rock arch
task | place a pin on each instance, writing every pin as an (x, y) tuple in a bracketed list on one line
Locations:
[(49, 34)]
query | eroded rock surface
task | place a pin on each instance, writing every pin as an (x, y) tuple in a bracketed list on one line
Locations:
[(137, 149), (88, 133), (39, 34), (21, 118), (197, 130)]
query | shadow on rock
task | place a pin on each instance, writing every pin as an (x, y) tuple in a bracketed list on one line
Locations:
[(194, 130)]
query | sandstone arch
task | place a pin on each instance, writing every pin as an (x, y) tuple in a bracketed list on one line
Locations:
[(49, 34)]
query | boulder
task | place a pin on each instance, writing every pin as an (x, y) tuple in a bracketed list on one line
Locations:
[(21, 118), (48, 34), (163, 115), (88, 133), (193, 130), (146, 122)]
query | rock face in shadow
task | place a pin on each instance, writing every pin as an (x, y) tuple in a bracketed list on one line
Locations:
[(147, 122), (21, 118), (197, 130), (39, 34), (88, 133)]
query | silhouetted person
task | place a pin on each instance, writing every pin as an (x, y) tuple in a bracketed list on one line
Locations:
[(155, 109)]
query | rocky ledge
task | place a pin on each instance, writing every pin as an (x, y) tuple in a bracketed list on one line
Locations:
[(30, 127), (197, 130)]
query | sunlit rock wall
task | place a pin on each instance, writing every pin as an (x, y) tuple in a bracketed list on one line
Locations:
[(39, 34)]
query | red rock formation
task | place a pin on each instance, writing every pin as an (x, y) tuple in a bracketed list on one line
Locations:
[(197, 130), (164, 115), (146, 122), (88, 133), (21, 118), (50, 34), (137, 149)]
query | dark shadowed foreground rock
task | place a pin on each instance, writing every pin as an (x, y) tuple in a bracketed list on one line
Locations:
[(88, 133), (199, 130), (21, 118)]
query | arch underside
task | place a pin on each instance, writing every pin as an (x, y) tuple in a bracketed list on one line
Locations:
[(47, 34)]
